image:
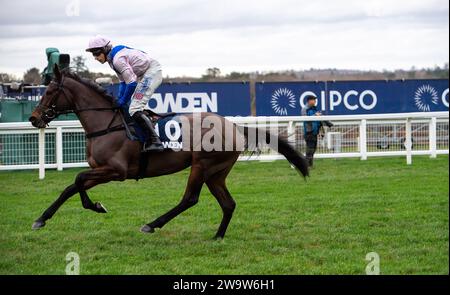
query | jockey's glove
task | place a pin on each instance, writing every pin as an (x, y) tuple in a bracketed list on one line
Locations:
[(122, 87)]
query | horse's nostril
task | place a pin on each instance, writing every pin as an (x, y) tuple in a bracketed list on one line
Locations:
[(32, 119)]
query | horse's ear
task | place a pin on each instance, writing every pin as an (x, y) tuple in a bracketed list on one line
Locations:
[(57, 72)]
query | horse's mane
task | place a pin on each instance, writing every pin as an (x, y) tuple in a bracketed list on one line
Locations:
[(89, 83)]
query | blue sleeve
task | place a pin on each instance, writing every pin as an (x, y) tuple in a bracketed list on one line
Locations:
[(127, 93), (310, 112), (122, 87), (315, 125)]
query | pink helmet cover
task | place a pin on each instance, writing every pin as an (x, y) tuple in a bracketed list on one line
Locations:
[(98, 42)]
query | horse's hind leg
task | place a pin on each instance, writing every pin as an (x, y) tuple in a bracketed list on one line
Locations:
[(190, 198), (218, 188)]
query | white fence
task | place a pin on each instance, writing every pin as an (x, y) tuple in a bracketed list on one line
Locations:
[(62, 144)]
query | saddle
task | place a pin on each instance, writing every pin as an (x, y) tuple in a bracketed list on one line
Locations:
[(133, 130), (135, 133)]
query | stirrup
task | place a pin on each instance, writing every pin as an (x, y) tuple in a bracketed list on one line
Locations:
[(152, 147)]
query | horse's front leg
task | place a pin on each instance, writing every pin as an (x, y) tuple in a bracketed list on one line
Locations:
[(66, 194), (88, 179), (84, 181)]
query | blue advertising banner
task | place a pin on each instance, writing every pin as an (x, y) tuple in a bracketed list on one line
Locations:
[(226, 99), (353, 97)]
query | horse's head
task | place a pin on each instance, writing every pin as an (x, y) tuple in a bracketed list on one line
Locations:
[(54, 102)]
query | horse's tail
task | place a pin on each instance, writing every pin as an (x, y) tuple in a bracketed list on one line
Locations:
[(280, 145)]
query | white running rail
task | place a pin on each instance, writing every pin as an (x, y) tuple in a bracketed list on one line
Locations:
[(62, 144)]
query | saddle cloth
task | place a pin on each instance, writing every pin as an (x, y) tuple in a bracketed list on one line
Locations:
[(167, 126)]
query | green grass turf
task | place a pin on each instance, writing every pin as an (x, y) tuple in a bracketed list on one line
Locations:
[(282, 224)]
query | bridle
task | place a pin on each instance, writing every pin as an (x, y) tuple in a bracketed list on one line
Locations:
[(49, 111)]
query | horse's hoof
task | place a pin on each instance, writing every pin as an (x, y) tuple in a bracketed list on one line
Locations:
[(38, 224), (100, 208), (147, 229)]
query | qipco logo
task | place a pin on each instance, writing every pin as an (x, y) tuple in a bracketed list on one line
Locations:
[(352, 100)]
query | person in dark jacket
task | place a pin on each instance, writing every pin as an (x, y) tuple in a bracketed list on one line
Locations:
[(311, 129)]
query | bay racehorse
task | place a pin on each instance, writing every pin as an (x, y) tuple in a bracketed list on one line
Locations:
[(112, 156)]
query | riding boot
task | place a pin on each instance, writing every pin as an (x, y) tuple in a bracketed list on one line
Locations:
[(153, 142)]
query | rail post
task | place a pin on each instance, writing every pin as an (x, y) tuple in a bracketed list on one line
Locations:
[(291, 132), (41, 153), (432, 138), (59, 149), (408, 142), (363, 139)]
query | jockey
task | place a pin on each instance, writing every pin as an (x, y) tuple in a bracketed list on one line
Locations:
[(139, 76)]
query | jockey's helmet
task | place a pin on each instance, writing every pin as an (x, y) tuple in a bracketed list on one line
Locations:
[(99, 44)]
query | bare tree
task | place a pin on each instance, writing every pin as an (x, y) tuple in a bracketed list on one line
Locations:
[(7, 78), (32, 76), (79, 66), (213, 72)]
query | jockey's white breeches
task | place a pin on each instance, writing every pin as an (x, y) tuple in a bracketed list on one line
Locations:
[(145, 88)]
